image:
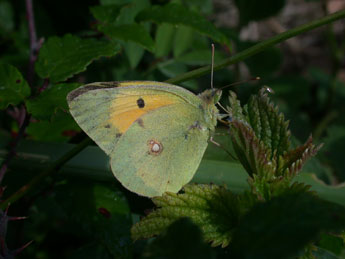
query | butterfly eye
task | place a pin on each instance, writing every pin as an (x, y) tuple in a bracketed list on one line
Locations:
[(155, 147)]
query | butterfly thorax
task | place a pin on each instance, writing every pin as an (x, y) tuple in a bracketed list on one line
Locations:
[(209, 99)]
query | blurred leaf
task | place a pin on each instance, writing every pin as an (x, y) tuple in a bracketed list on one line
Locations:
[(49, 101), (200, 57), (13, 87), (183, 239), (331, 243), (134, 53), (177, 14), (129, 32), (264, 63), (164, 36), (106, 13), (183, 40), (61, 58), (171, 68), (281, 227), (61, 128), (213, 208), (251, 10), (334, 143), (6, 17), (111, 2)]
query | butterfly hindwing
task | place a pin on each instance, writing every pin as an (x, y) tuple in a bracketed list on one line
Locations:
[(161, 150)]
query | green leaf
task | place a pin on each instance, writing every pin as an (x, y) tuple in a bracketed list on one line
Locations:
[(177, 14), (6, 17), (106, 13), (49, 101), (13, 87), (164, 42), (183, 40), (129, 32), (214, 209), (283, 226), (61, 58), (60, 128), (134, 53), (200, 57), (183, 239), (251, 10)]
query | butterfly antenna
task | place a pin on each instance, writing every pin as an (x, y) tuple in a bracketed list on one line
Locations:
[(212, 65)]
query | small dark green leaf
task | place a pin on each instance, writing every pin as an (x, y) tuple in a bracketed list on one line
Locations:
[(13, 87), (48, 102), (214, 209), (199, 57), (61, 58), (164, 42), (283, 226), (106, 13), (129, 32), (6, 16), (178, 14), (183, 40), (183, 239), (251, 10)]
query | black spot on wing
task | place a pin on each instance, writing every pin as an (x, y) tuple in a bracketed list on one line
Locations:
[(140, 122), (141, 103), (107, 126), (118, 135), (86, 88)]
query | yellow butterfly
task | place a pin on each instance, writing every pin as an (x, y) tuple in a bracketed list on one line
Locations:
[(155, 133)]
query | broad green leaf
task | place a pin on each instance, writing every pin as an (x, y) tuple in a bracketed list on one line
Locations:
[(49, 101), (129, 32), (332, 243), (183, 239), (283, 226), (61, 58), (251, 10), (214, 209), (134, 53), (13, 87), (177, 14), (60, 128), (163, 40)]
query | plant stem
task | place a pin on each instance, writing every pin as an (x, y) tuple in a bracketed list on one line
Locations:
[(50, 170), (258, 47)]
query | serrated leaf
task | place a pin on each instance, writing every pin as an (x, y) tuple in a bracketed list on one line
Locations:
[(13, 87), (257, 10), (214, 209), (178, 14), (294, 159), (283, 226), (61, 58), (48, 102), (129, 32), (183, 40)]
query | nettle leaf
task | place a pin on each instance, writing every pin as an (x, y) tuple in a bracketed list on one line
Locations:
[(50, 101), (129, 32), (283, 226), (61, 58), (13, 87), (178, 14), (261, 141), (213, 208)]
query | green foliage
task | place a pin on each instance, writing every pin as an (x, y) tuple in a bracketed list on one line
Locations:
[(13, 87), (262, 202), (61, 58)]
